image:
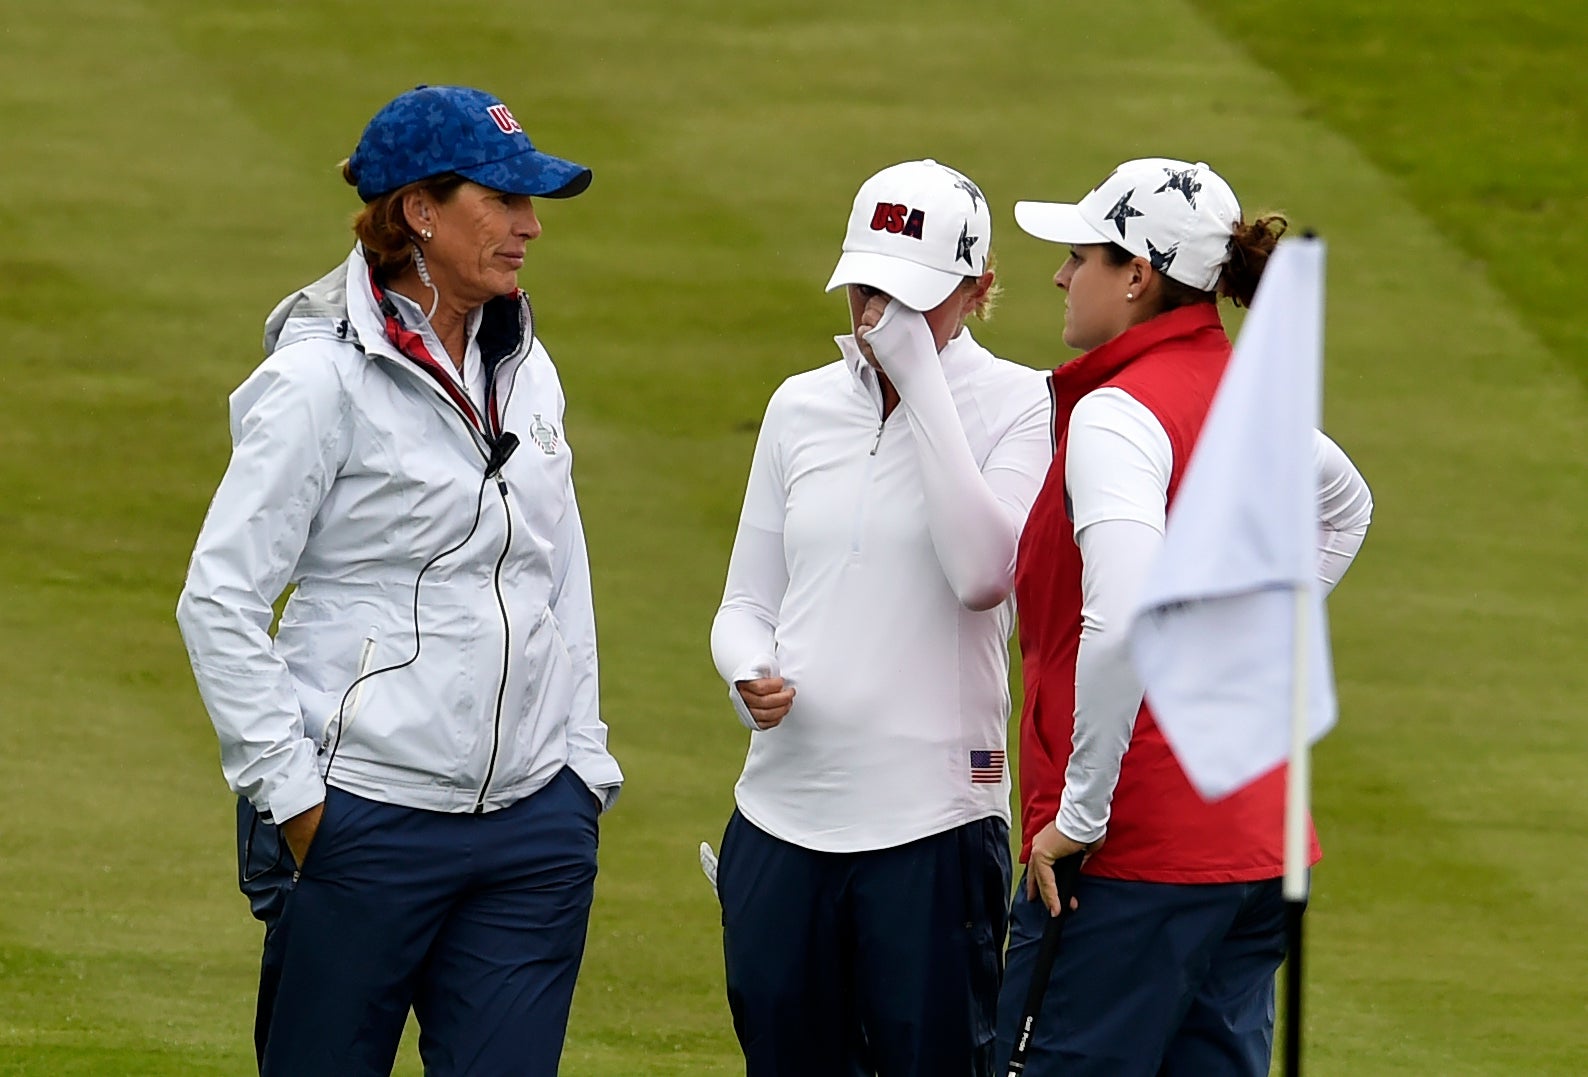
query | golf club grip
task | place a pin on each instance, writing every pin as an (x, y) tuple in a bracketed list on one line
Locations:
[(1066, 873)]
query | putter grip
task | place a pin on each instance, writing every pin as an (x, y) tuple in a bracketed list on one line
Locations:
[(1066, 873)]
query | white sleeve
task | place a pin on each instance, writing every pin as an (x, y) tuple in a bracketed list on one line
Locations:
[(1345, 508), (574, 609), (1117, 469), (1119, 461), (975, 513), (289, 439), (743, 634)]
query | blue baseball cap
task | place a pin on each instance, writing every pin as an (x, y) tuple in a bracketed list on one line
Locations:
[(434, 129)]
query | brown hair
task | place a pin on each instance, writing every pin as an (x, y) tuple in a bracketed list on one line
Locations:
[(1250, 246), (381, 227)]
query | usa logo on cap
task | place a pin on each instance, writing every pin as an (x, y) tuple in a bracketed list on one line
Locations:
[(504, 119)]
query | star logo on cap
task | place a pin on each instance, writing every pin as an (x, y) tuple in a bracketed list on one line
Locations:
[(966, 243), (965, 184), (1161, 260), (1122, 212), (1183, 180)]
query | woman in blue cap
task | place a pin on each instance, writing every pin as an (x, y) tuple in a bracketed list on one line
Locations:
[(418, 750)]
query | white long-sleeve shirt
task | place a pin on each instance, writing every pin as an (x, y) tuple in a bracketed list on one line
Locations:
[(1117, 473), (872, 569)]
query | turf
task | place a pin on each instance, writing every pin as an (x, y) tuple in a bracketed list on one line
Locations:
[(167, 170)]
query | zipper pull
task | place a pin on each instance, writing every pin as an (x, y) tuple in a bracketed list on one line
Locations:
[(878, 443)]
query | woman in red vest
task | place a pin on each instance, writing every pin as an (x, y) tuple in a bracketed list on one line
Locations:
[(1168, 963)]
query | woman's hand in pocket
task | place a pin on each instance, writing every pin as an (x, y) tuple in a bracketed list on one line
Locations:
[(298, 832)]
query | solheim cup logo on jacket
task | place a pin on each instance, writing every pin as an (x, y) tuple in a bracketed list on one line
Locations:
[(543, 434)]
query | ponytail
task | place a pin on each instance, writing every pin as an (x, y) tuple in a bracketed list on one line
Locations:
[(1250, 246)]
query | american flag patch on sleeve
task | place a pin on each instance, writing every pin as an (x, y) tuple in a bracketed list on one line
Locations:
[(987, 768)]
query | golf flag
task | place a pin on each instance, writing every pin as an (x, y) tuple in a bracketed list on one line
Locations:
[(1215, 633)]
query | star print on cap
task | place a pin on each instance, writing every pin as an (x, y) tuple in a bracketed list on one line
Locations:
[(916, 230), (967, 246), (1177, 215), (965, 184), (1184, 181), (1122, 212)]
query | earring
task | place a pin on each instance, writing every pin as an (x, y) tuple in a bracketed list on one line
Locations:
[(426, 234), (424, 277), (1130, 295)]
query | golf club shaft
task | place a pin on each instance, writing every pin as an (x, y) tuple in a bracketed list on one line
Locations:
[(1066, 873), (1293, 968)]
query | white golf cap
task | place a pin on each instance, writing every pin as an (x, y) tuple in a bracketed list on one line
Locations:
[(1177, 215), (916, 231)]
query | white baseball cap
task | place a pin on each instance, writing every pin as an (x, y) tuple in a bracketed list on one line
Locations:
[(1177, 215), (916, 231)]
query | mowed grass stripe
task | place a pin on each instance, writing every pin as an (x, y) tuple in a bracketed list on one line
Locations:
[(727, 142), (122, 180), (1477, 113)]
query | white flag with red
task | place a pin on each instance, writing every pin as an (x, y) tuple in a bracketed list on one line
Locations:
[(1230, 634)]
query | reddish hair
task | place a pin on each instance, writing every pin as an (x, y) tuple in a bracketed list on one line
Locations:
[(383, 230)]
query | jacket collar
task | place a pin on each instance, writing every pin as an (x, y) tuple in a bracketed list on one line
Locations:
[(503, 331), (1095, 368), (506, 326), (960, 354)]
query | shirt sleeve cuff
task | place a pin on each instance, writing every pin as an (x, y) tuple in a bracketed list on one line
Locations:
[(1073, 824), (741, 709)]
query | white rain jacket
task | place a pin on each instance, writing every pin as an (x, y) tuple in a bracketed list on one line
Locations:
[(353, 472)]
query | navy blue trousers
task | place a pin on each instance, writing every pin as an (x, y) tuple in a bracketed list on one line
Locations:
[(1152, 980), (474, 922), (883, 963)]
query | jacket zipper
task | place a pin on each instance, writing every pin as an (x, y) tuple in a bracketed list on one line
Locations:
[(501, 602), (507, 642), (483, 447)]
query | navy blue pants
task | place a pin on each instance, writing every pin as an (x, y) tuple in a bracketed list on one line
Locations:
[(264, 875), (879, 963), (1152, 980), (474, 922)]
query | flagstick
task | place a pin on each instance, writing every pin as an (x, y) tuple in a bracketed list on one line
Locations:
[(1297, 796)]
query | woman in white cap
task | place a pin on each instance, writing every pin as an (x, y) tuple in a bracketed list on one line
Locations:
[(419, 745), (1168, 962), (863, 638)]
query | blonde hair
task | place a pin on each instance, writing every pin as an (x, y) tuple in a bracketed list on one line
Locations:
[(984, 308)]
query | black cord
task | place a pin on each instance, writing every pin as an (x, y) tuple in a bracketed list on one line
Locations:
[(479, 503)]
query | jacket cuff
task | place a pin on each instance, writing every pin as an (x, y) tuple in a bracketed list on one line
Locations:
[(297, 792), (601, 776)]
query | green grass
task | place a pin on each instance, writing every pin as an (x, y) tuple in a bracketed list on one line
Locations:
[(167, 171)]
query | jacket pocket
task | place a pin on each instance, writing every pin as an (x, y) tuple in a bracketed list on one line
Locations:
[(353, 698)]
